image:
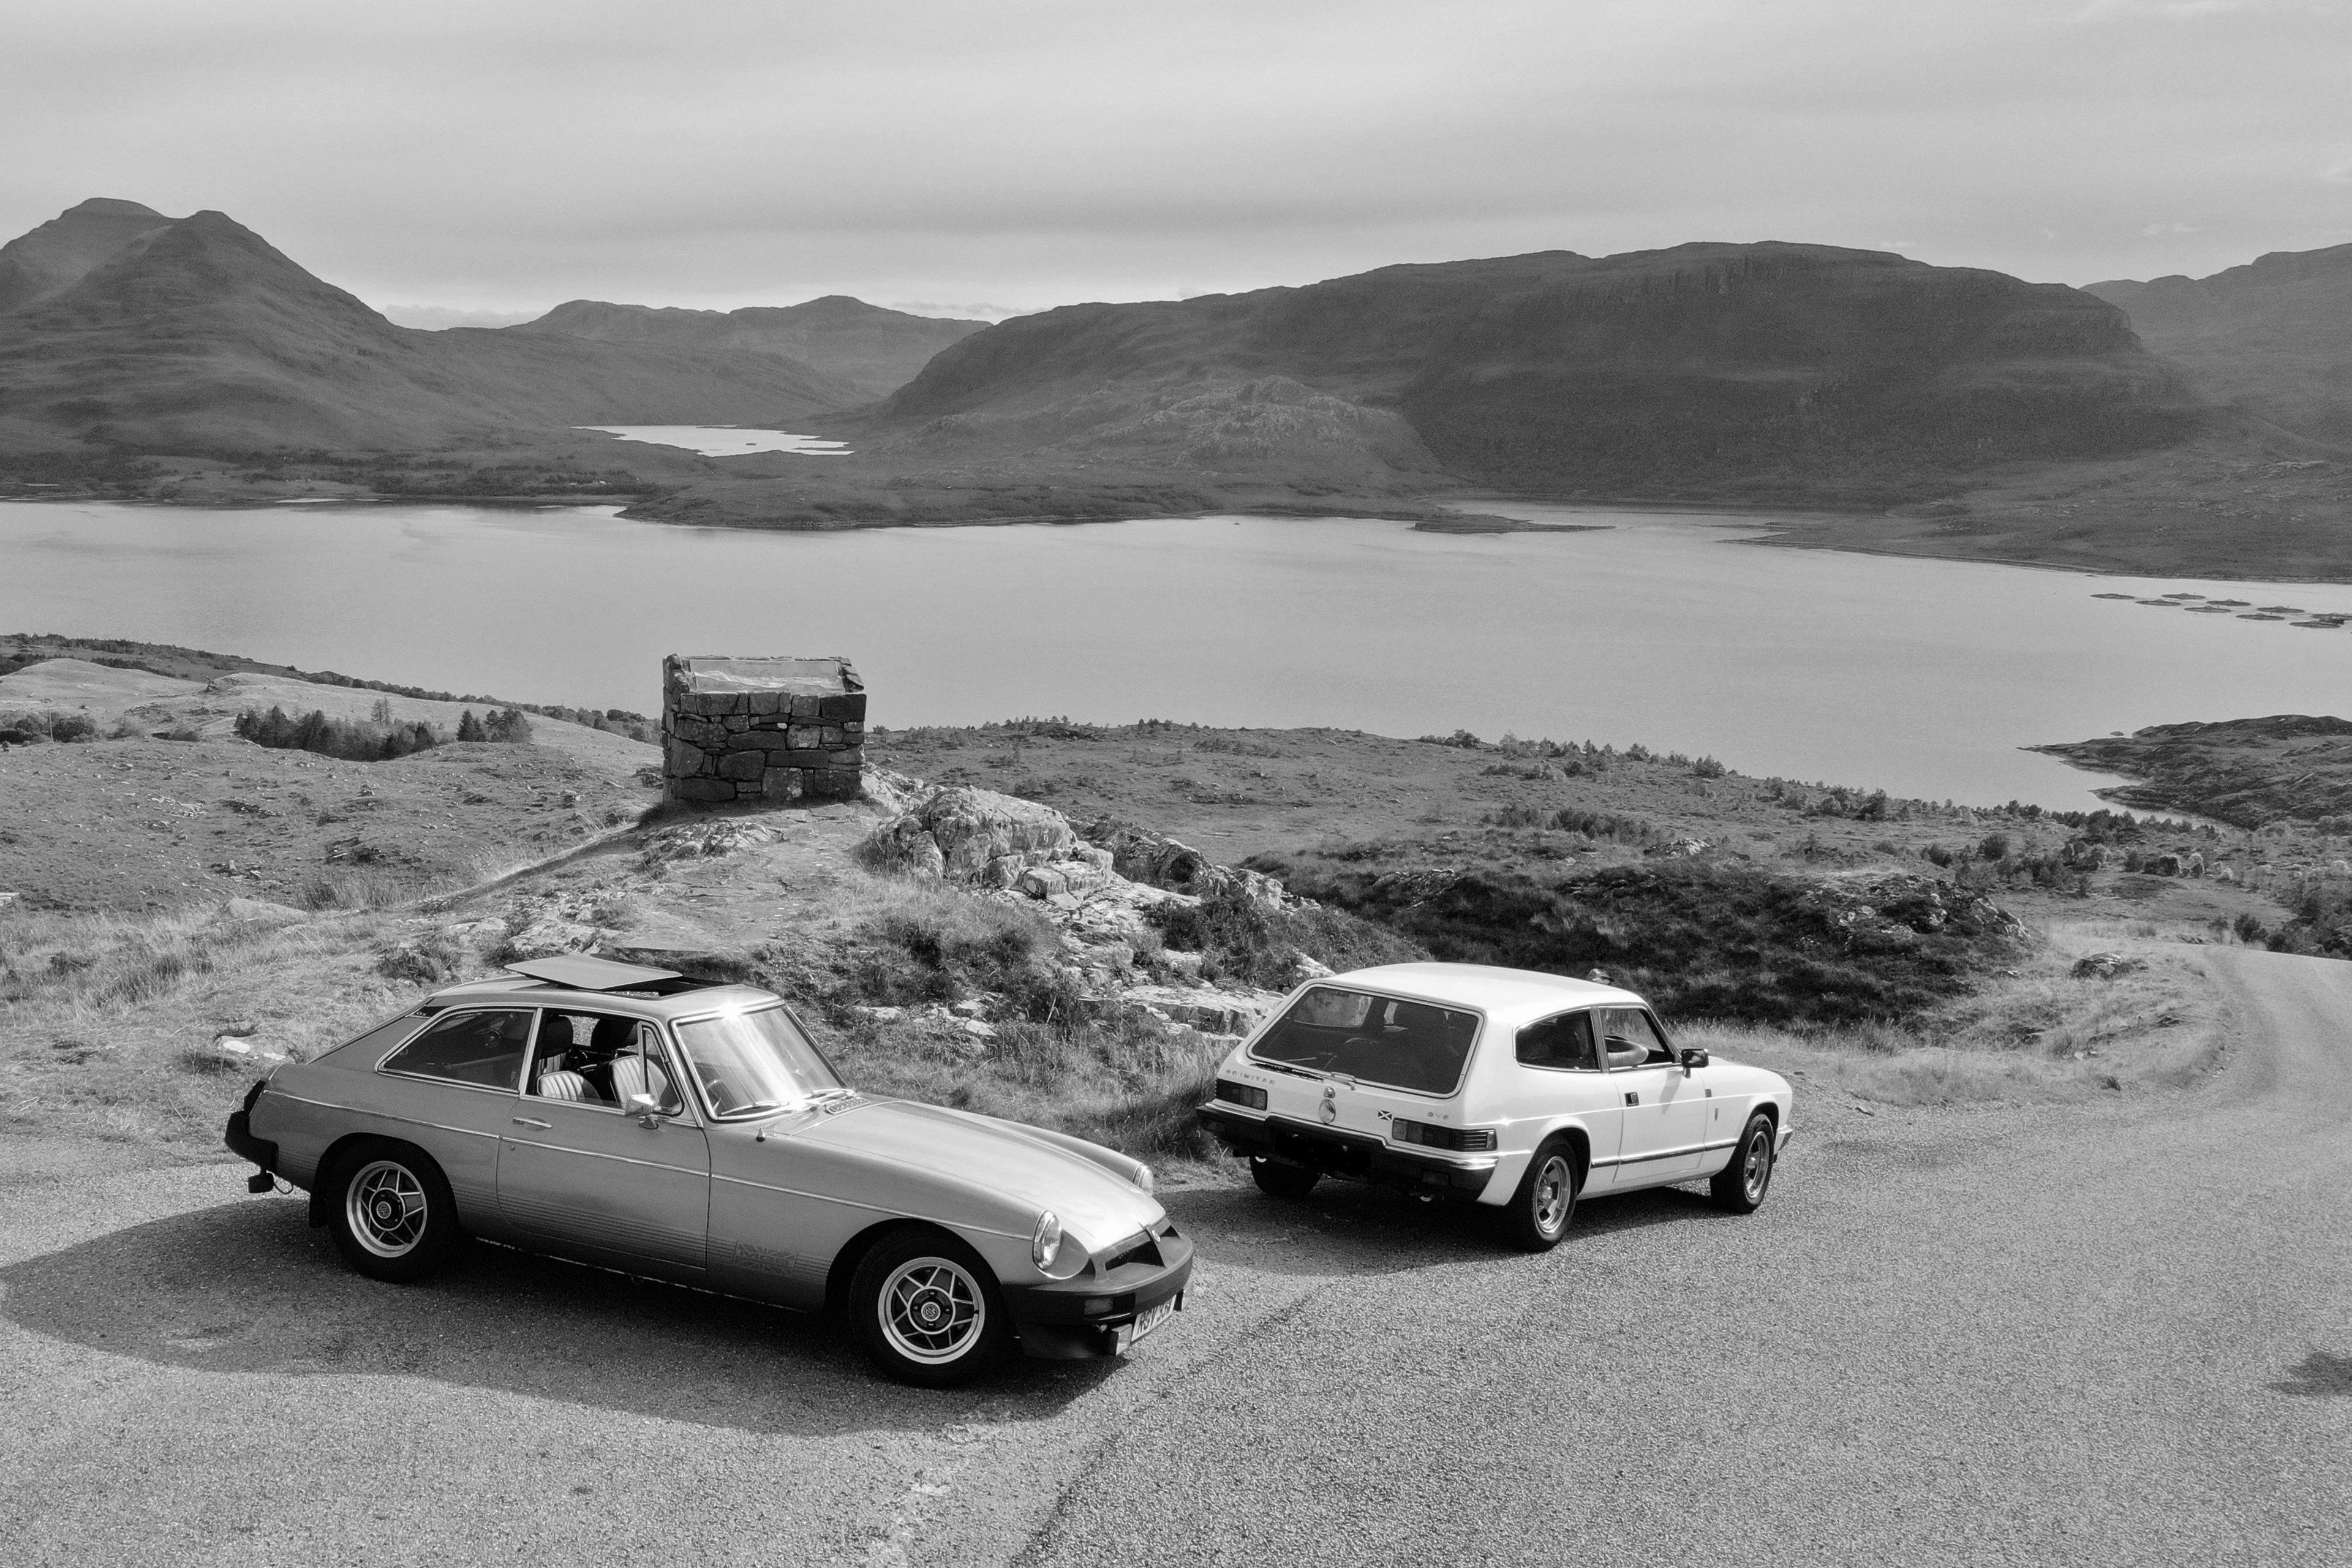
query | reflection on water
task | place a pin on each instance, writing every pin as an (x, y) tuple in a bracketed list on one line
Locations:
[(722, 440), (1919, 676)]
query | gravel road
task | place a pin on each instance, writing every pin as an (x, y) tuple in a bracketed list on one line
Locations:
[(2109, 1334)]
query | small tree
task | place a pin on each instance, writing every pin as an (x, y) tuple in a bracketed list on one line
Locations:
[(469, 728)]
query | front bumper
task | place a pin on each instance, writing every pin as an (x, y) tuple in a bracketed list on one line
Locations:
[(1351, 1156), (1091, 1315)]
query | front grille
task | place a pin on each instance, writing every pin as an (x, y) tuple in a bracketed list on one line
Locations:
[(1241, 1094), (1467, 1139), (1143, 1249)]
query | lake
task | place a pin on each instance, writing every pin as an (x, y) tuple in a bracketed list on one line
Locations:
[(1919, 676), (723, 440)]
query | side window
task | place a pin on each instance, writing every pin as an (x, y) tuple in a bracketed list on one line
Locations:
[(573, 1060), (484, 1049), (1564, 1043), (1631, 1040)]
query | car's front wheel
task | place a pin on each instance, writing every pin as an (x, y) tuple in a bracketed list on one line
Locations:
[(1278, 1180), (392, 1214), (1539, 1210), (1739, 1187), (927, 1309)]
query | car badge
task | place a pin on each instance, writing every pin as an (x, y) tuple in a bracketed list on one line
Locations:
[(1329, 1109)]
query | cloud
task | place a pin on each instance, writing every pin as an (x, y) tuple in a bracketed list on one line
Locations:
[(1033, 152), (2156, 229)]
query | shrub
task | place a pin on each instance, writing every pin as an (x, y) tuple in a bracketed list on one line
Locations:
[(362, 741), (1699, 939)]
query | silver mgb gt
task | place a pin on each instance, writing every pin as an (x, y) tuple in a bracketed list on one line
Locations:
[(635, 1119), (1517, 1091)]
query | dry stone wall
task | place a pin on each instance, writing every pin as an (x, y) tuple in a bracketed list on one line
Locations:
[(765, 730)]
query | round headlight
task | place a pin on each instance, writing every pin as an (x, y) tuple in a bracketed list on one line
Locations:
[(1046, 1245), (1143, 1179)]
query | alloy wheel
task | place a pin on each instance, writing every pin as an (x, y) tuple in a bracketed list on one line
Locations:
[(385, 1206), (931, 1311)]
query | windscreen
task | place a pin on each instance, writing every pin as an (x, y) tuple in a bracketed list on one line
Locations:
[(751, 1063), (1376, 1039)]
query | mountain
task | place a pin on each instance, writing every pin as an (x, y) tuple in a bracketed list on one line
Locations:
[(875, 350), (2272, 337), (1766, 369), (123, 326)]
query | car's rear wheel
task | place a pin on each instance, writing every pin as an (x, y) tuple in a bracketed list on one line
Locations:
[(1538, 1212), (1739, 1187), (391, 1212), (1276, 1179), (927, 1309)]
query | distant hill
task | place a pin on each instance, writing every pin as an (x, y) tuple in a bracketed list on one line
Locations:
[(865, 346), (2274, 337), (1766, 369), (123, 326)]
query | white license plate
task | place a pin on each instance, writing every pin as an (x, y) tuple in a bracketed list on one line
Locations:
[(1146, 1320)]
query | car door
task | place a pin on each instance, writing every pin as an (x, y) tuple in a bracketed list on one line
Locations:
[(450, 1091), (578, 1172), (1665, 1107), (1561, 1074)]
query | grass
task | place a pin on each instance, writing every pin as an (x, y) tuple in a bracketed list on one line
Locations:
[(2034, 1034), (105, 1022)]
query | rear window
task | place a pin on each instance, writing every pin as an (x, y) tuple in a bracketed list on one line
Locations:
[(1376, 1039), (484, 1049)]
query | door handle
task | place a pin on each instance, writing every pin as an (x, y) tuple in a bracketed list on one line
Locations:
[(527, 1122)]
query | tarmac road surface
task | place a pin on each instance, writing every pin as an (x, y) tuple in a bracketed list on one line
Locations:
[(2110, 1334)]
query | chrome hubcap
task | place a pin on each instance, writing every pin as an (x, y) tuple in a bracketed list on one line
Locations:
[(1756, 1172), (931, 1311), (1551, 1195), (385, 1206)]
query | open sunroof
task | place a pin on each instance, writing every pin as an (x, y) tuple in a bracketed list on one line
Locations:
[(577, 972)]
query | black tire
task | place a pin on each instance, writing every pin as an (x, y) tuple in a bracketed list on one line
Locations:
[(1739, 1187), (927, 1309), (1540, 1211), (1278, 1180), (391, 1211)]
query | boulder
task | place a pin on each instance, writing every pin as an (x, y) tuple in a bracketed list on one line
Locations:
[(973, 836), (2104, 967)]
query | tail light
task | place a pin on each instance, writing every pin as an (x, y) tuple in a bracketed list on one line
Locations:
[(1241, 1094), (1465, 1140)]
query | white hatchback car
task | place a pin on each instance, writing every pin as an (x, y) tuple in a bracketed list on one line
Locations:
[(1516, 1090)]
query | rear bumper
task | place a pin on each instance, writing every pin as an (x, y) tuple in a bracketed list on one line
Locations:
[(246, 1146), (1092, 1315), (1351, 1156)]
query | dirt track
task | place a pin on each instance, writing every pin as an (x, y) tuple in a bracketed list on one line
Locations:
[(2090, 1335)]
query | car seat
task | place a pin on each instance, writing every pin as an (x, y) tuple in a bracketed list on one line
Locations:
[(634, 1075), (563, 1084)]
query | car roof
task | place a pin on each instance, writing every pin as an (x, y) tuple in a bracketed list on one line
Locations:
[(1504, 995), (640, 1004)]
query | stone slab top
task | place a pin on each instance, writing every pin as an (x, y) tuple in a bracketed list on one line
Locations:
[(828, 677)]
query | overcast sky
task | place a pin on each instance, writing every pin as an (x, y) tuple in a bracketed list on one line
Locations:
[(509, 154)]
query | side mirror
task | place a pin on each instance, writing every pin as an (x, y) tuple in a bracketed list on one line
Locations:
[(646, 1108), (1694, 1058)]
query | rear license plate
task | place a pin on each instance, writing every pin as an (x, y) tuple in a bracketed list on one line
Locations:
[(1145, 1321)]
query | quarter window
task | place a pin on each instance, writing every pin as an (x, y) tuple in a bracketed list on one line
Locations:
[(1631, 1039), (1564, 1044), (484, 1049)]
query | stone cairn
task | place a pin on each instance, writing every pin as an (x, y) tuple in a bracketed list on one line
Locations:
[(770, 730)]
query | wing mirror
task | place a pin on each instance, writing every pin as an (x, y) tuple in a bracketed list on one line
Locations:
[(1694, 1058), (646, 1108)]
